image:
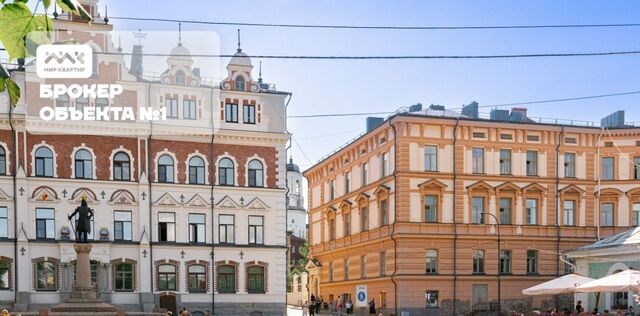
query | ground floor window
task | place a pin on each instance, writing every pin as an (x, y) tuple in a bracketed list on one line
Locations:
[(46, 276), (5, 266), (167, 277), (255, 279), (226, 279), (431, 298), (123, 277), (620, 300), (197, 279)]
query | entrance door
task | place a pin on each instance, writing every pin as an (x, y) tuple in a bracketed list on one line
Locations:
[(168, 302)]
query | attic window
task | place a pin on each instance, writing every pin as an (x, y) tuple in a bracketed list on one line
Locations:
[(478, 135), (506, 136), (533, 138), (240, 83), (570, 140), (383, 140), (346, 161), (181, 79), (363, 151), (608, 144)]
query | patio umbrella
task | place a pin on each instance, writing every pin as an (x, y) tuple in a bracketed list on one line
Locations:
[(565, 284), (624, 281)]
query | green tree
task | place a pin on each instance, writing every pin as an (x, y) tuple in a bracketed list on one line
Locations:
[(17, 21)]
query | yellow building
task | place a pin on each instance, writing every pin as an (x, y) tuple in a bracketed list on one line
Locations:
[(409, 208)]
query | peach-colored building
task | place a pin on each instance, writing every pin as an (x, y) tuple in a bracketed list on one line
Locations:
[(403, 208)]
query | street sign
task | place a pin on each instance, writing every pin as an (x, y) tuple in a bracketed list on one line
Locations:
[(361, 296)]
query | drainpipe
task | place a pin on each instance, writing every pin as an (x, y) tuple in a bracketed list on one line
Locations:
[(150, 184), (213, 182), (286, 213), (559, 141), (597, 163), (15, 203), (395, 218), (455, 223)]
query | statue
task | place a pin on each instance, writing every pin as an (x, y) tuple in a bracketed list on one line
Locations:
[(83, 223)]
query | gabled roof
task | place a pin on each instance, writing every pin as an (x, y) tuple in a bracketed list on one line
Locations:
[(480, 185), (508, 186), (432, 183)]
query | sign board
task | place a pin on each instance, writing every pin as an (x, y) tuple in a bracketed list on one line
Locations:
[(361, 296)]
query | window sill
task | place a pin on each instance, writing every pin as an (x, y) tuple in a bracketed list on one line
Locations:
[(256, 292), (227, 292), (479, 273), (197, 291), (506, 273), (533, 273), (123, 291)]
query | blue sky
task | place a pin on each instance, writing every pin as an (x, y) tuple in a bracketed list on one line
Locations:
[(385, 85)]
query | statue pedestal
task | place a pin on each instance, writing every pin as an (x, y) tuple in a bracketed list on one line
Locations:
[(84, 296)]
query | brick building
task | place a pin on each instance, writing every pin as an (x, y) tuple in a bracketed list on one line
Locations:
[(410, 207), (188, 211)]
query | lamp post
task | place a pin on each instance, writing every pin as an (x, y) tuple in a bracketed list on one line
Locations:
[(498, 232)]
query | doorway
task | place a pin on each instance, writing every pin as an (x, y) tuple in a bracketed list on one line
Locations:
[(168, 302)]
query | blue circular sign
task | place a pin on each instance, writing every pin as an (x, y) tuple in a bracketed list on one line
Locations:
[(361, 296)]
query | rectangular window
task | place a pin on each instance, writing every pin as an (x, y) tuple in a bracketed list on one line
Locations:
[(570, 266), (384, 164), (363, 267), (431, 262), (531, 212), (166, 227), (171, 107), (479, 135), (505, 161), (346, 269), (365, 173), (197, 228), (4, 222), (635, 215), (364, 219), (477, 208), (231, 113), (606, 214), (478, 160), (569, 165), (505, 262), (256, 230), (532, 262), (506, 136), (332, 189), (532, 163), (431, 299), (478, 262), (347, 224), (533, 138), (332, 229), (331, 271), (122, 225), (570, 140), (249, 114), (347, 182), (384, 212), (226, 229), (569, 213), (430, 209), (607, 168), (46, 276), (383, 263), (189, 109), (431, 158), (636, 168), (123, 277), (45, 223), (505, 211)]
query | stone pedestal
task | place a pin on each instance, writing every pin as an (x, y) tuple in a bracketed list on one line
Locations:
[(84, 295)]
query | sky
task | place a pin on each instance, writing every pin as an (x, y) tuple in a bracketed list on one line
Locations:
[(322, 86)]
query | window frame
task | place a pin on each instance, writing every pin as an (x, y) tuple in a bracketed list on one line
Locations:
[(200, 278), (227, 232), (166, 172), (4, 222), (231, 112), (197, 173), (255, 176), (171, 107), (189, 109), (44, 163), (506, 258), (572, 210), (505, 162), (610, 212), (256, 229), (164, 278), (478, 261), (570, 165), (431, 158), (532, 262), (479, 215), (226, 174), (123, 223), (607, 173), (197, 228), (477, 160), (168, 226), (121, 168), (123, 275), (531, 166), (431, 261), (3, 161), (54, 271), (430, 209), (248, 114), (256, 276), (227, 276), (83, 166), (49, 223)]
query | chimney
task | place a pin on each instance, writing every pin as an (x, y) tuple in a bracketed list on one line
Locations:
[(613, 120), (373, 122), (518, 115), (471, 110), (436, 107), (416, 107)]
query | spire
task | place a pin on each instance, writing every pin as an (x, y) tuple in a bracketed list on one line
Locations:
[(179, 34), (140, 36), (120, 44), (239, 49), (106, 15), (260, 74)]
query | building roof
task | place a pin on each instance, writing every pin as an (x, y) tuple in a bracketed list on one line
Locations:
[(626, 238), (292, 167), (241, 59)]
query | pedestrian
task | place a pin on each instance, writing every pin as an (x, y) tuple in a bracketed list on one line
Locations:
[(184, 312), (312, 308), (305, 308), (168, 313), (579, 308), (349, 307), (5, 312), (629, 311), (207, 313), (372, 306)]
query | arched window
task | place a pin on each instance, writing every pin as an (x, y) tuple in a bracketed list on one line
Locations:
[(240, 83), (165, 169), (226, 279), (180, 78), (256, 174), (62, 101), (3, 161), (46, 276), (121, 166), (225, 172), (44, 162), (196, 170), (123, 277), (255, 279), (83, 164), (167, 277), (197, 279)]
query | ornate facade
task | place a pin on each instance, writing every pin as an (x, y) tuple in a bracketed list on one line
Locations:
[(188, 212)]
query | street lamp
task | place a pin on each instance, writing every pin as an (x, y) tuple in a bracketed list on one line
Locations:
[(498, 232)]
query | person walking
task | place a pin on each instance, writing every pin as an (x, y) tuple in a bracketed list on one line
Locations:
[(372, 306), (339, 306)]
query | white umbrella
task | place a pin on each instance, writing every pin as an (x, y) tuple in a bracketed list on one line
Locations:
[(624, 281), (563, 285)]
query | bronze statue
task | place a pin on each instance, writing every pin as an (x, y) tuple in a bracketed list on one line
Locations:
[(83, 223)]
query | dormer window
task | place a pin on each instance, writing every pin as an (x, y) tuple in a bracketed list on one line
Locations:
[(181, 78), (240, 83)]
